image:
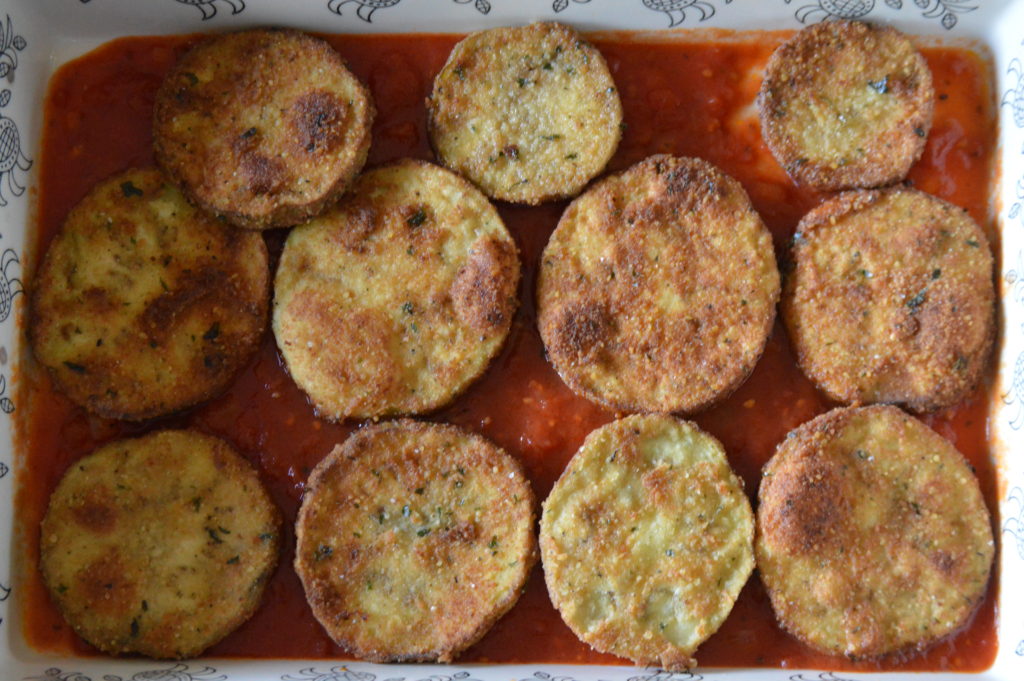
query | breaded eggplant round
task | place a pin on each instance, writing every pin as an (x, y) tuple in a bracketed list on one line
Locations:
[(891, 299), (846, 104), (873, 536), (145, 305), (263, 127), (398, 297), (647, 540), (160, 545), (413, 539), (527, 113), (657, 290)]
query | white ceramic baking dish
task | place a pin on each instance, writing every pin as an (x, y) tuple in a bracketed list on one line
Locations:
[(37, 36)]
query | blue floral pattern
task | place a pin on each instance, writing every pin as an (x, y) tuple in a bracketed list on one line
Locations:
[(1017, 207), (1013, 508), (1014, 396), (1012, 529), (1014, 97)]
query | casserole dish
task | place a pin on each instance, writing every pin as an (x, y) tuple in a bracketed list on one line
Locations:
[(37, 38)]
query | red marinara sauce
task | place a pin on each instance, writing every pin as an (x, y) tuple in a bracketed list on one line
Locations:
[(691, 96)]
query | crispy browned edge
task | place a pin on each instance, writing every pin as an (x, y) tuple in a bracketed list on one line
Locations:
[(554, 193), (81, 397), (906, 144), (831, 211), (256, 588), (593, 319), (283, 215), (818, 508), (345, 449)]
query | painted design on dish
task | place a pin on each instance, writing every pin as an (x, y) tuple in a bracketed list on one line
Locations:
[(10, 286), (5, 591), (650, 674), (822, 676), (7, 407), (208, 8), (676, 10), (12, 159), (1017, 207), (544, 676), (655, 674), (482, 6), (10, 46), (559, 5), (1016, 393), (1014, 526), (1014, 279), (945, 10), (178, 672), (825, 10), (1015, 95), (55, 674), (343, 673), (366, 8)]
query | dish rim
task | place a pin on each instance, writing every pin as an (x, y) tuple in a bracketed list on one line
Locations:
[(52, 32)]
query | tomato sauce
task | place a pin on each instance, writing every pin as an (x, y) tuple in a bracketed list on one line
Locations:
[(681, 97)]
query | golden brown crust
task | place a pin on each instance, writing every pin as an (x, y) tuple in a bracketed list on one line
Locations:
[(890, 299), (263, 127), (484, 291), (846, 104), (413, 539), (398, 298), (873, 536), (160, 545), (144, 305), (647, 540), (657, 290), (527, 113)]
